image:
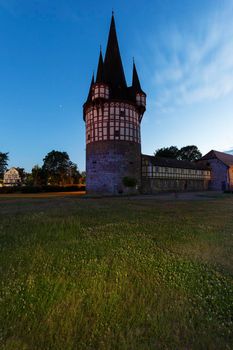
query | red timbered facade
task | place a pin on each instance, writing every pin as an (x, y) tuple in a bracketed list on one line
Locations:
[(112, 121)]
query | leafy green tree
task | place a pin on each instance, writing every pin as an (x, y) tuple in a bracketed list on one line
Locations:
[(167, 152), (129, 181), (82, 179), (190, 153), (22, 174), (58, 168), (37, 177), (3, 163), (74, 175)]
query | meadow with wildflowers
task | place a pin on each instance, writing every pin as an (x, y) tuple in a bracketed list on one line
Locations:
[(116, 273)]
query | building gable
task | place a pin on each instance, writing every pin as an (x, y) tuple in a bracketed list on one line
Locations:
[(225, 158)]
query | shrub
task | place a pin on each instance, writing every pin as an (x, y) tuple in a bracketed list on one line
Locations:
[(7, 189), (30, 189), (40, 189), (129, 181)]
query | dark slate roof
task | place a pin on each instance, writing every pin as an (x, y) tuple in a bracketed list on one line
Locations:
[(113, 68), (110, 71), (100, 70), (174, 163), (136, 86), (225, 158), (91, 84)]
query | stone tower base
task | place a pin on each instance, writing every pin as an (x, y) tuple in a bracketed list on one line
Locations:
[(108, 162)]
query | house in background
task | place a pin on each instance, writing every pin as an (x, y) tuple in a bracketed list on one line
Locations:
[(221, 165), (12, 178)]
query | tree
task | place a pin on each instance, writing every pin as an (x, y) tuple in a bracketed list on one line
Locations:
[(22, 174), (190, 153), (3, 163), (74, 174), (82, 179), (129, 181), (38, 177), (58, 168), (167, 152)]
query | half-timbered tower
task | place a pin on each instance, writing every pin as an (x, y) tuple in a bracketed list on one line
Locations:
[(112, 114)]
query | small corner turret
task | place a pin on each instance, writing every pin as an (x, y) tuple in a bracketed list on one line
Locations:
[(139, 93), (100, 90)]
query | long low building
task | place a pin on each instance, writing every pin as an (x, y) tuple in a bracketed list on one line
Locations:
[(165, 174)]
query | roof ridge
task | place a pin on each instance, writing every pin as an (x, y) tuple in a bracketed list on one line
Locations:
[(225, 158)]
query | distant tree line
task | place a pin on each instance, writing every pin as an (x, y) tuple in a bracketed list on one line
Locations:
[(188, 153), (57, 170)]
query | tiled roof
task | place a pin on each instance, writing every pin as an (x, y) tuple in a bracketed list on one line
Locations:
[(225, 158), (174, 163)]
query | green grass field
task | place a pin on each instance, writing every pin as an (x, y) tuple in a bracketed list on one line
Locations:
[(116, 273)]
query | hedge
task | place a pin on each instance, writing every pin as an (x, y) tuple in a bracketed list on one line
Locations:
[(41, 189)]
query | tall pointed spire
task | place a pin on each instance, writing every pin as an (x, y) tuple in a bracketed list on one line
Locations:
[(135, 82), (113, 68), (90, 89), (100, 70)]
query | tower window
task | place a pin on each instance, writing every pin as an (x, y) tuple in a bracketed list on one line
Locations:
[(117, 133), (122, 114)]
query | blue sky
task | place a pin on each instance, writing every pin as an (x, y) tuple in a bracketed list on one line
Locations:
[(184, 55)]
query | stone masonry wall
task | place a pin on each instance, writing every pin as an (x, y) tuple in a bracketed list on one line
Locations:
[(219, 175), (107, 162), (150, 185)]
